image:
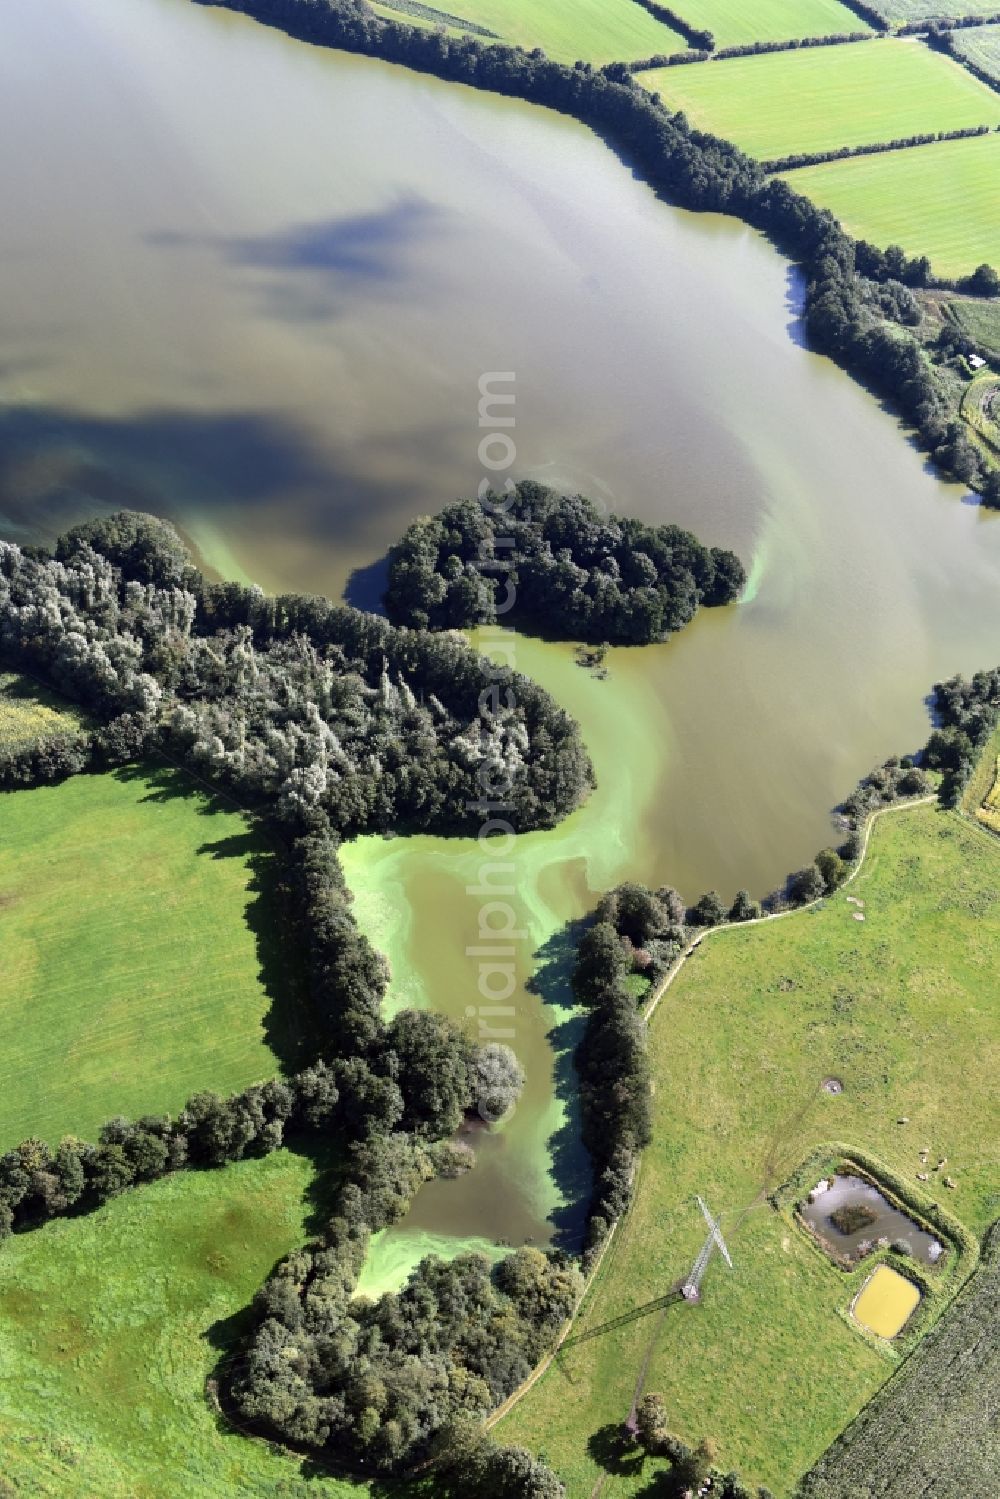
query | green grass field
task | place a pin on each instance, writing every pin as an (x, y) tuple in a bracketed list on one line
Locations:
[(110, 1325), (937, 200), (938, 1419), (596, 31), (980, 408), (130, 976), (980, 320), (430, 18), (898, 12), (903, 1009), (990, 811), (981, 45), (732, 22), (29, 713), (827, 97)]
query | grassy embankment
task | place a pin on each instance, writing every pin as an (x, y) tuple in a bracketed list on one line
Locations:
[(900, 1007), (596, 31), (822, 98), (110, 1325), (131, 912)]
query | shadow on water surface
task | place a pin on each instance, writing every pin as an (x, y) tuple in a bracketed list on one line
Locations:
[(366, 585), (571, 1168), (320, 270), (244, 469), (795, 306)]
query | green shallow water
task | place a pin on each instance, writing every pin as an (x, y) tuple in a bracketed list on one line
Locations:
[(415, 897), (393, 1255), (253, 285)]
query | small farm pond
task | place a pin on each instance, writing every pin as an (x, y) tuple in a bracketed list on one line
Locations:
[(886, 1302), (847, 1199)]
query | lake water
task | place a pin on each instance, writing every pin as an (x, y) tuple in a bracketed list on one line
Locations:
[(253, 286), (888, 1222)]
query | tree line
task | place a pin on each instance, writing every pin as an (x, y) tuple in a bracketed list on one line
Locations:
[(119, 616), (873, 148), (695, 36), (795, 43), (324, 713), (331, 721), (696, 170), (939, 26), (639, 933), (740, 49), (42, 761), (945, 39), (554, 563), (867, 13)]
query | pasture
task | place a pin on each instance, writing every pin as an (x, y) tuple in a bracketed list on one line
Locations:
[(733, 22), (981, 45), (29, 713), (822, 98), (425, 17), (989, 813), (936, 200), (900, 12), (111, 1323), (938, 1418), (131, 909), (980, 320), (980, 407), (596, 31), (902, 1008)]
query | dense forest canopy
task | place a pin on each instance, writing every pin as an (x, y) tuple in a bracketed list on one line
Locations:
[(333, 721), (318, 710), (328, 722), (556, 564)]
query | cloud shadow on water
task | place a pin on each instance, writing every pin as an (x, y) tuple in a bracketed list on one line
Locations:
[(319, 271), (252, 474)]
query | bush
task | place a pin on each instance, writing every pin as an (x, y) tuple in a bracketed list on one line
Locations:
[(832, 869), (852, 1217), (44, 762), (806, 885), (709, 911), (744, 908), (497, 1081)]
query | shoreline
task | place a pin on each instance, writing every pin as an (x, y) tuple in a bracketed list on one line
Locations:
[(648, 1013)]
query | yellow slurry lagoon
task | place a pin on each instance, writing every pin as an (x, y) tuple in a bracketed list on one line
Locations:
[(885, 1302)]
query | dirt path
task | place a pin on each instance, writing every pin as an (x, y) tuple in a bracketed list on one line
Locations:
[(619, 1227)]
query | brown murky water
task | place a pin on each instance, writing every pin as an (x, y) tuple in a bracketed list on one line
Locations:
[(253, 286)]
